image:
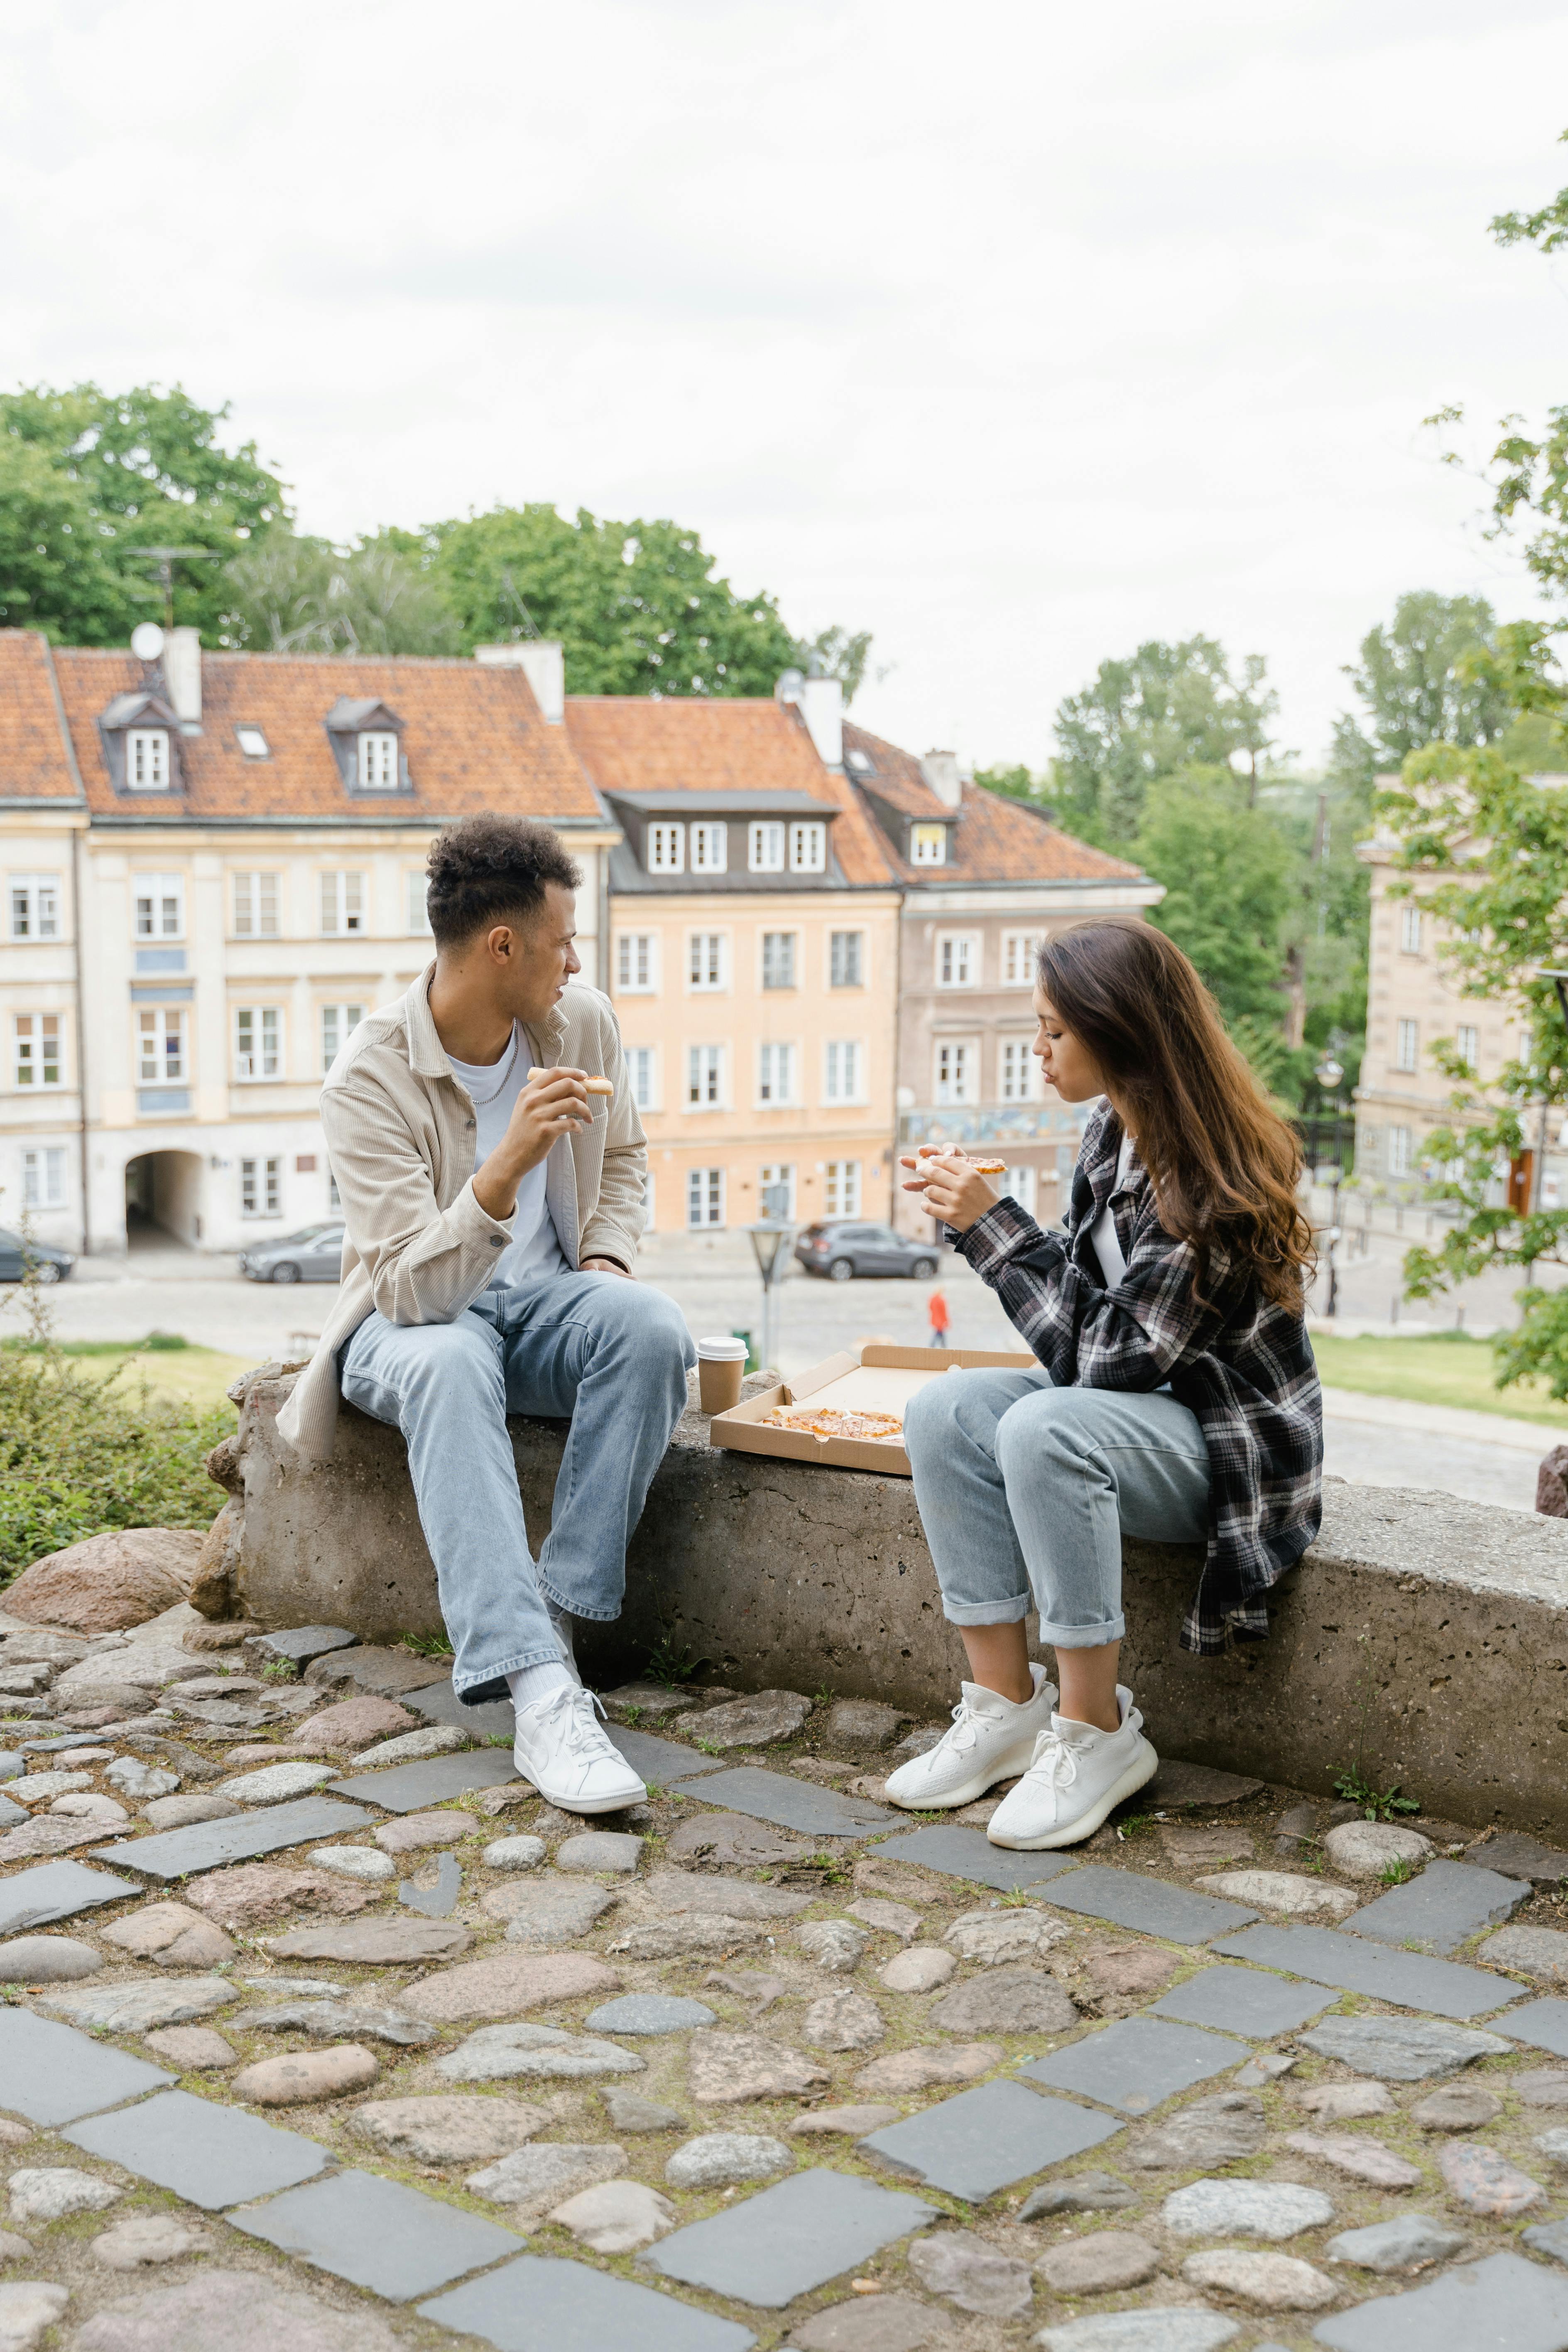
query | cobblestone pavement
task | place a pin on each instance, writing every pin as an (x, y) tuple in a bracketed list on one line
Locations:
[(320, 2031)]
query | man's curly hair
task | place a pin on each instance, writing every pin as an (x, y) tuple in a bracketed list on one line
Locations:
[(492, 869)]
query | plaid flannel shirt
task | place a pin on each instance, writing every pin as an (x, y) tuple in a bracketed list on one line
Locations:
[(1242, 1366)]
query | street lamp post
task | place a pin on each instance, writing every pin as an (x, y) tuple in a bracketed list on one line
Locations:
[(1330, 1075), (769, 1238)]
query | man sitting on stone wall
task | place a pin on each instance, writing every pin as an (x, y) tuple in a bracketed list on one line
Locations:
[(491, 1165)]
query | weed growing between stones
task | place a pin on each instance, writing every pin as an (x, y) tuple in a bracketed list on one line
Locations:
[(1385, 1805), (282, 1670), (427, 1645), (1395, 1874)]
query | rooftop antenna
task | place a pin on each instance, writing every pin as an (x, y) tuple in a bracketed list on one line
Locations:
[(530, 628), (165, 558)]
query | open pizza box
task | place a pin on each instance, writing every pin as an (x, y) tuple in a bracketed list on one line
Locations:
[(869, 1379)]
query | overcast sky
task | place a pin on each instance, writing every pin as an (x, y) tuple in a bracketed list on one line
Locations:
[(1013, 332)]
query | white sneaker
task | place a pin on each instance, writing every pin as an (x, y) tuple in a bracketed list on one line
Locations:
[(992, 1738), (560, 1748), (1078, 1775)]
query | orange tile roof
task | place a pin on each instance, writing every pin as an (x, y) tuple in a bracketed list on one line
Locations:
[(33, 762), (472, 735), (995, 840), (631, 744)]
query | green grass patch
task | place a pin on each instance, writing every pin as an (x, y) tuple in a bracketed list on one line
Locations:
[(1432, 1368)]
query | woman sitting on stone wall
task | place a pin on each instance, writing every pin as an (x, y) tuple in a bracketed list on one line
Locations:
[(1177, 1399)]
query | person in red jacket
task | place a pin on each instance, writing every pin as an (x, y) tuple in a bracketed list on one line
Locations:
[(937, 1309)]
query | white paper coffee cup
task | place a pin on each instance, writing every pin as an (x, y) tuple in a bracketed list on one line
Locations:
[(720, 1367)]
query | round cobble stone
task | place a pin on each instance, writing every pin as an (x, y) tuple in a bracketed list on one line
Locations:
[(719, 2160)]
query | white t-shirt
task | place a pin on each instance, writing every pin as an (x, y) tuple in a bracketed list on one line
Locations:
[(1103, 1232), (534, 1251)]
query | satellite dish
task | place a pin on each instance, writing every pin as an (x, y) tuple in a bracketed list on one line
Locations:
[(147, 641), (791, 686)]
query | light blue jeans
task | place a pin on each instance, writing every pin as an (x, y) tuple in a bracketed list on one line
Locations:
[(1025, 1491), (611, 1356)]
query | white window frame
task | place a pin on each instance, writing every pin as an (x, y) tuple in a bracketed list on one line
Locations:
[(1400, 1152), (1019, 952), (706, 1074), (778, 1065), (841, 1188), (928, 845), (258, 1043), (855, 953), (705, 1189), (706, 963), (779, 1171), (253, 743), (844, 1070), (33, 902), (955, 1065), (44, 1176), (335, 1024), (1409, 928), (376, 766), (255, 903), (163, 897), (416, 883), (766, 844), (1017, 1071), (1467, 1045), (148, 765), (261, 1187), (1019, 1184), (710, 846), (665, 848), (163, 1024), (1407, 1047), (340, 902), (642, 1076), (769, 964), (808, 845), (38, 1041), (636, 963), (958, 959)]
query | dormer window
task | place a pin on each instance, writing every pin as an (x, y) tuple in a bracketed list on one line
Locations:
[(139, 732), (767, 849), (808, 848), (367, 743), (147, 760), (667, 849), (861, 762), (710, 849), (928, 845), (377, 762)]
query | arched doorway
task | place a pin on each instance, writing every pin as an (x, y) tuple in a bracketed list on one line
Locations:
[(163, 1200)]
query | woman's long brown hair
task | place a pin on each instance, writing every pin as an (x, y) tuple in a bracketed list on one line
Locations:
[(1224, 1164)]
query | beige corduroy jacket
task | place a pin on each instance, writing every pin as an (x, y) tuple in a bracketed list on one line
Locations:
[(400, 1130)]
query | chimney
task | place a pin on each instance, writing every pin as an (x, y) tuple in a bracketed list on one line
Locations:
[(822, 708), (542, 661), (940, 770), (182, 676)]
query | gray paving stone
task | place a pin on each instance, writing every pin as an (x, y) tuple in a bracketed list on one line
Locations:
[(662, 1763), (1543, 2024), (1549, 2238), (985, 2139), (440, 1900), (650, 2012), (52, 2075), (1242, 2000), (212, 2156), (56, 1890), (11, 1815), (179, 1853), (1521, 1856), (439, 1703), (1402, 2049), (1411, 2238), (542, 2305), (1409, 1980), (13, 1763), (789, 2239), (137, 2004), (378, 2234), (1150, 1905), (1449, 1902), (1502, 2301), (794, 1805), (303, 1642), (970, 1854), (1137, 2062), (409, 1788), (1165, 2328)]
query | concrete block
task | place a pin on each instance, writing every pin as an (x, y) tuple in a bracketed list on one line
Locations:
[(51, 2073), (541, 2305), (378, 2234), (210, 2156)]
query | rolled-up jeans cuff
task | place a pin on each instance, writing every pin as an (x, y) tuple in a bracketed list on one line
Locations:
[(1083, 1637), (1011, 1611)]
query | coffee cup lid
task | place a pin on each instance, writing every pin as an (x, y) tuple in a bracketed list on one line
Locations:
[(725, 1348)]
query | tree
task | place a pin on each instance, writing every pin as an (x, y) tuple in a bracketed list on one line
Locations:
[(1227, 873), (840, 654), (1166, 708), (302, 595), (91, 480), (1018, 783), (1422, 681)]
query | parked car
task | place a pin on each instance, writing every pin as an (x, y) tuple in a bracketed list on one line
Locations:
[(843, 1248), (53, 1264), (315, 1254)]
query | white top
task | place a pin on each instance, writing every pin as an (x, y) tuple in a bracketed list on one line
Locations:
[(1103, 1232), (534, 1250)]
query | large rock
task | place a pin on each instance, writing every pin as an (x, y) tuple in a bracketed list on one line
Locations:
[(499, 2053), (232, 2310), (308, 2075), (836, 1944), (357, 1723), (137, 2004), (110, 1581), (388, 1942), (1365, 1849), (1006, 2000), (459, 2129), (46, 1960), (1268, 2282), (616, 2216), (510, 1981), (728, 2067), (1250, 2208), (26, 2308), (725, 2159), (1107, 2263), (736, 1839), (1217, 2130), (258, 1893), (843, 2020), (671, 1892), (967, 2271), (173, 1935), (533, 2179), (922, 2069), (863, 1723), (751, 1722), (1285, 1891), (51, 2193), (996, 1937), (146, 2239), (546, 1911)]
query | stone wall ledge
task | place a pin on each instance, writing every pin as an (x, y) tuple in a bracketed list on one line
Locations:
[(1423, 1638)]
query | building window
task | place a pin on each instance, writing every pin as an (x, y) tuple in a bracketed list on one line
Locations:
[(710, 849), (808, 847), (928, 845), (258, 1188), (160, 1045), (253, 743), (1399, 1152), (1019, 952), (418, 907), (704, 1198), (34, 906), (642, 1077), (634, 964), (146, 760), (44, 1178), (37, 1049), (377, 762), (1467, 1046), (706, 961), (1406, 1045), (779, 1177), (343, 904), (1018, 1071), (705, 1077), (845, 958), (1410, 929), (841, 1188), (776, 1074), (843, 1060), (778, 958), (256, 906), (1018, 1184), (955, 1059), (957, 959), (257, 1032), (667, 849), (160, 905), (766, 854), (338, 1023)]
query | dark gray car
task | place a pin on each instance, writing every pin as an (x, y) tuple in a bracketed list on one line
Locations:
[(53, 1264), (848, 1246), (315, 1254)]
